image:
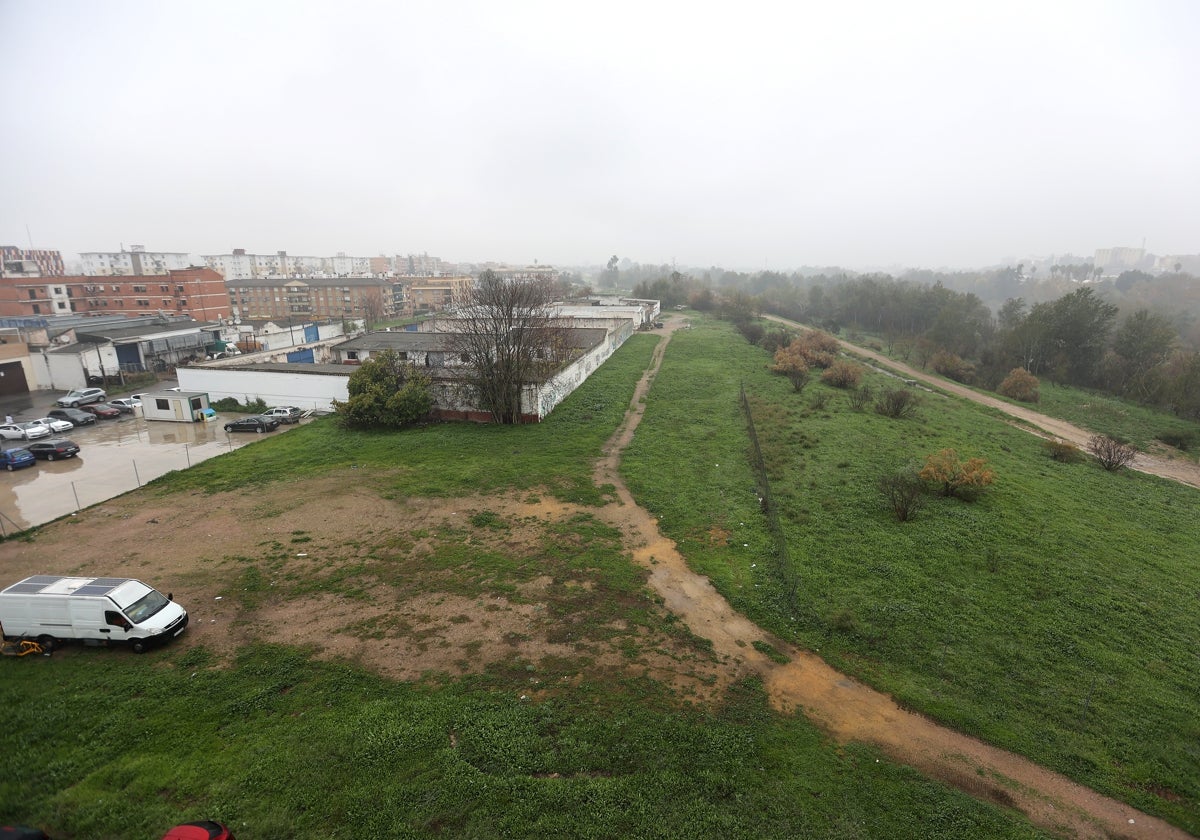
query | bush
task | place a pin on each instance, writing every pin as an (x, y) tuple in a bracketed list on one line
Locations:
[(964, 479), (1020, 385), (817, 348), (1180, 440), (791, 364), (897, 403), (843, 374), (860, 398), (1111, 453), (250, 406), (902, 492), (952, 367), (1062, 451)]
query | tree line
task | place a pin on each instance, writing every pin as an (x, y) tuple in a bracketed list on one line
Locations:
[(1136, 337)]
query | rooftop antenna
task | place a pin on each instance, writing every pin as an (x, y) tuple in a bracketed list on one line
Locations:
[(29, 235)]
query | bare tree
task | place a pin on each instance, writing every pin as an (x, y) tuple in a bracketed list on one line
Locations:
[(1112, 454), (507, 337), (902, 491)]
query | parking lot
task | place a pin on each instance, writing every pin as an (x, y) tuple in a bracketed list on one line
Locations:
[(115, 456)]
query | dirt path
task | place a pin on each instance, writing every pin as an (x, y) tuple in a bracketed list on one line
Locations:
[(846, 708), (1185, 472)]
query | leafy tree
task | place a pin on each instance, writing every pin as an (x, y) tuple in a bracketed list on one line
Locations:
[(1021, 385), (507, 337), (612, 274), (385, 391), (1144, 341), (790, 362), (964, 479)]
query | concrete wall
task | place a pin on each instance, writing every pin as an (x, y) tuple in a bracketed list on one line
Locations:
[(304, 390), (562, 384)]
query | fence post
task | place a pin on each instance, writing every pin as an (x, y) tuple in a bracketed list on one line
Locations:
[(78, 507)]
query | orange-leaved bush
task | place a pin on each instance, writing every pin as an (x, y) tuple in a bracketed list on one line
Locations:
[(964, 479)]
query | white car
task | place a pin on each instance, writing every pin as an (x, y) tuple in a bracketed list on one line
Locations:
[(55, 424), (23, 431)]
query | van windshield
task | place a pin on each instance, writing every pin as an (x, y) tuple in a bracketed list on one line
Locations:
[(146, 606)]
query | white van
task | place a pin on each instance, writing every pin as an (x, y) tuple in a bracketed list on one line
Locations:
[(53, 608)]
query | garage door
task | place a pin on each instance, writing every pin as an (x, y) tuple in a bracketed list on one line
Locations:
[(12, 379)]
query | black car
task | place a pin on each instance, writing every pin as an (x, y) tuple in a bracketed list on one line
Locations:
[(53, 448), (74, 415), (253, 423)]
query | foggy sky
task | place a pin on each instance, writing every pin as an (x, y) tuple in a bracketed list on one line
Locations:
[(746, 135)]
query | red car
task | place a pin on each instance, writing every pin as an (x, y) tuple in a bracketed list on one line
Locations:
[(203, 830), (102, 409)]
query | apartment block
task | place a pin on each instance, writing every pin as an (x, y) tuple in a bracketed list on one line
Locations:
[(199, 293), (49, 263), (136, 262)]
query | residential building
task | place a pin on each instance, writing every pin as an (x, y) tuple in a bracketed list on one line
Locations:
[(240, 265), (136, 262), (319, 298), (49, 263), (197, 292), (1112, 261), (435, 294)]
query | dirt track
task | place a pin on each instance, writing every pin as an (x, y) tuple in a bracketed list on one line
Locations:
[(848, 709), (1185, 472)]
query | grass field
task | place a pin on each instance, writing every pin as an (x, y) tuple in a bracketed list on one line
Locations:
[(1057, 616), (105, 745)]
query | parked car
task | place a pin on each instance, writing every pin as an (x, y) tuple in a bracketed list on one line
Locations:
[(102, 409), (14, 459), (82, 396), (203, 830), (72, 415), (125, 405), (55, 424), (53, 448), (284, 413), (22, 431), (253, 423)]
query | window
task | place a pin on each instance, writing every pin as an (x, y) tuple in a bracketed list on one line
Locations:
[(58, 290), (143, 302), (162, 404), (139, 290), (61, 305), (164, 289), (353, 356), (37, 309), (33, 296)]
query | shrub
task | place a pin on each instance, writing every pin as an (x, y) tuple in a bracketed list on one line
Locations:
[(860, 398), (902, 492), (897, 403), (817, 348), (953, 367), (752, 331), (251, 406), (1062, 451), (1180, 440), (1021, 385), (1111, 453), (842, 374), (791, 364), (964, 479)]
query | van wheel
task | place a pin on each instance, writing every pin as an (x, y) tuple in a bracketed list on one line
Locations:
[(138, 645), (48, 643)]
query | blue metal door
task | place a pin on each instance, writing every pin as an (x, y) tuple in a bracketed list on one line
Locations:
[(304, 356)]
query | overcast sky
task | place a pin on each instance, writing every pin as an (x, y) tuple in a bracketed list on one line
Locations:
[(746, 135)]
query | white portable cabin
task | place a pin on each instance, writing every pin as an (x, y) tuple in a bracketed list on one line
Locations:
[(53, 608), (179, 406)]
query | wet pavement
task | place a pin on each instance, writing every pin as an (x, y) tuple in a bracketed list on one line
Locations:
[(115, 456)]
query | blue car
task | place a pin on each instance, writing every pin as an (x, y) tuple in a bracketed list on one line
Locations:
[(14, 459)]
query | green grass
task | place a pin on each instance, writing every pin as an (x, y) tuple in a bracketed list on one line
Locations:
[(1056, 617), (447, 459), (104, 745), (1096, 411)]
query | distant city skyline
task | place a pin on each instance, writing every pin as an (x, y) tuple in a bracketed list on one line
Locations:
[(929, 134)]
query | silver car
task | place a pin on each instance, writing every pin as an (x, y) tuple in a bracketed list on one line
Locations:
[(81, 396)]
